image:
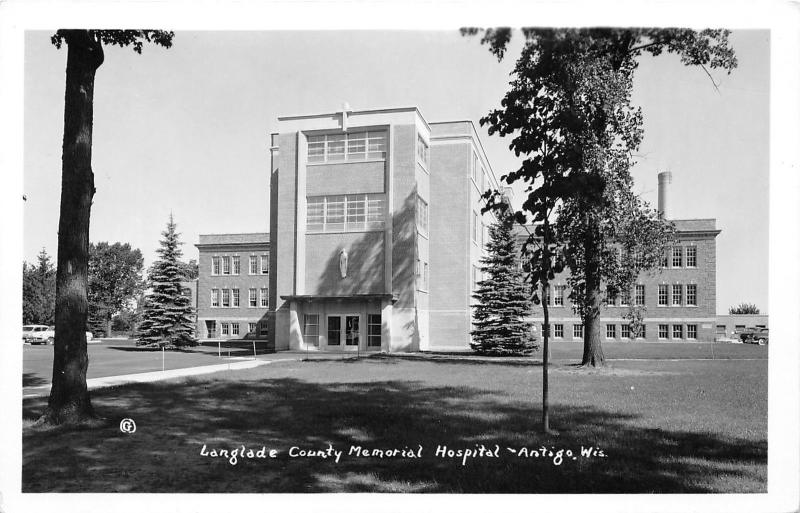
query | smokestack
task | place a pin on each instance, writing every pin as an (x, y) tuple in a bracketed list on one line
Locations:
[(664, 179)]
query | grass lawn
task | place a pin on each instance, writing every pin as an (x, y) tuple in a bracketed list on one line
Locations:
[(663, 426)]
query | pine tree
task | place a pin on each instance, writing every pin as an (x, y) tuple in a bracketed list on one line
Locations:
[(503, 302), (167, 314)]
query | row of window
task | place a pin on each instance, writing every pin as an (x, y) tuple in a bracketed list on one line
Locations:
[(349, 147), (342, 330), (675, 256), (231, 265), (229, 298), (626, 332), (232, 329), (344, 213), (677, 297)]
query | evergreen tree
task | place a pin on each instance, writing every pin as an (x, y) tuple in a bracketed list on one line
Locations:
[(503, 301), (39, 291), (167, 314)]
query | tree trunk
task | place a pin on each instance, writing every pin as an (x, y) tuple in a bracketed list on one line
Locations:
[(108, 324), (69, 398), (592, 341)]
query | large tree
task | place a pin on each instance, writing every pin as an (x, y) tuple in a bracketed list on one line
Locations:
[(569, 112), (69, 398), (502, 308), (167, 315), (38, 290), (115, 280)]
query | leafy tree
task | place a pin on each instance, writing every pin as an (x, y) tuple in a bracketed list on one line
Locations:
[(167, 316), (69, 398), (503, 301), (569, 112), (744, 309), (38, 291), (115, 280), (190, 270)]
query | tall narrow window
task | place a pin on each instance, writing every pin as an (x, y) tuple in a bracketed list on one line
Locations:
[(422, 216), (691, 294), (611, 331), (235, 293), (422, 151), (226, 328), (625, 331), (577, 331), (235, 328), (214, 298), (691, 256), (663, 331), (226, 298), (374, 330), (639, 295), (677, 331), (625, 298), (264, 298), (253, 298), (663, 295), (558, 330), (264, 264), (311, 329), (677, 294), (253, 264), (334, 330), (475, 227), (691, 331), (558, 298), (677, 256), (215, 265), (236, 265), (226, 265)]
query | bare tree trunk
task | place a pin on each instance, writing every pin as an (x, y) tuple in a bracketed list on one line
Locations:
[(108, 324), (592, 341), (69, 398)]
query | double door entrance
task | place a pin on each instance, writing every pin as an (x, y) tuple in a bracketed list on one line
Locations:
[(344, 330)]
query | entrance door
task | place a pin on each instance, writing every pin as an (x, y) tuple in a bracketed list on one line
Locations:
[(344, 331)]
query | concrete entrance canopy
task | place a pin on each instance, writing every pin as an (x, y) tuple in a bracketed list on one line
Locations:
[(344, 297)]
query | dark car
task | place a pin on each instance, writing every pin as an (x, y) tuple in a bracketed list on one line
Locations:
[(758, 336)]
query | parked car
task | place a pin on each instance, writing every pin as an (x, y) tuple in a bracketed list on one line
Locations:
[(758, 336), (41, 334)]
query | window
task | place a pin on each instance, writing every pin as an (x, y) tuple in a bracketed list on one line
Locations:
[(264, 298), (351, 213), (252, 298), (625, 331), (691, 331), (311, 329), (226, 298), (577, 331), (351, 147), (235, 293), (422, 216), (677, 294), (236, 265), (677, 331), (474, 168), (665, 260), (215, 265), (677, 256), (264, 328), (558, 330), (611, 331), (642, 331), (663, 331), (251, 327), (423, 152), (226, 328), (558, 298), (214, 298), (334, 330), (374, 330), (475, 227), (691, 294), (625, 298), (253, 264), (691, 256), (226, 265), (663, 295), (264, 264), (211, 329), (639, 298), (235, 328), (611, 297)]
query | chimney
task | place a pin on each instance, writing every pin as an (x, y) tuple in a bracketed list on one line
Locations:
[(664, 179)]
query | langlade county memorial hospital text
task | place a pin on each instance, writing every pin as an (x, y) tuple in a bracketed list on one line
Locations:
[(375, 240)]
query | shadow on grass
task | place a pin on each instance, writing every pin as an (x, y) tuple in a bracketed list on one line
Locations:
[(175, 420), (30, 379)]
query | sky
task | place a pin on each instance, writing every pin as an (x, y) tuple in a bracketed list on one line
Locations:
[(186, 130)]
